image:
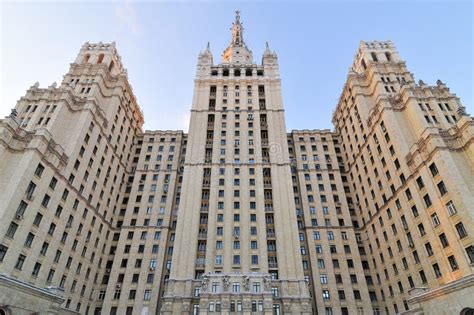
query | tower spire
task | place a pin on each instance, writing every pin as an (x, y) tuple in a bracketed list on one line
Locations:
[(237, 31), (237, 51)]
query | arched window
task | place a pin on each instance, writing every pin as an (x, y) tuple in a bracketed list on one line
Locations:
[(363, 64), (111, 66), (86, 58), (388, 56), (101, 58), (374, 56)]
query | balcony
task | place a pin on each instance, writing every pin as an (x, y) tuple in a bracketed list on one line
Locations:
[(272, 264), (270, 235), (200, 264), (202, 235)]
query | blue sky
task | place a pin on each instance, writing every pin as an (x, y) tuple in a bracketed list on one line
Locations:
[(159, 43)]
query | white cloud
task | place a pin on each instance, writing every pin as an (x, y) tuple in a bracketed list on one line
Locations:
[(127, 15)]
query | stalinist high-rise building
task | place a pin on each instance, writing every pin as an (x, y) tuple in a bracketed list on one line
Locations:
[(237, 216)]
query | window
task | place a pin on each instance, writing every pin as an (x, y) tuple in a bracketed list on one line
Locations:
[(20, 262), (443, 240), (451, 208), (330, 235), (319, 249), (39, 170), (12, 230), (461, 230), (326, 295), (256, 287), (321, 264), (469, 251), (419, 182), (341, 294), (45, 200), (442, 188), (20, 211), (323, 279), (435, 220), (423, 276), (429, 249), (433, 169), (254, 259), (29, 239), (316, 235), (147, 295), (427, 200), (436, 270), (3, 252), (453, 263), (236, 260), (236, 287)]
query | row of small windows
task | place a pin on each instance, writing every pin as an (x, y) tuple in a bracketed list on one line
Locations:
[(237, 72), (387, 55)]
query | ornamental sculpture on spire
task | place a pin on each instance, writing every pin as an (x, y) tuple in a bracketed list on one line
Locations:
[(237, 51)]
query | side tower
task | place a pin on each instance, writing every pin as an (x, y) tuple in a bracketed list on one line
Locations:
[(65, 153), (236, 247), (409, 157)]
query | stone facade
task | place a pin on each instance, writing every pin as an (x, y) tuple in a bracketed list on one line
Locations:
[(237, 216)]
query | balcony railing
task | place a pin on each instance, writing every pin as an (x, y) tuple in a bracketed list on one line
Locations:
[(200, 264)]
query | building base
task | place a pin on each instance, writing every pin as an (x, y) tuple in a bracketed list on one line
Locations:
[(21, 298), (454, 298)]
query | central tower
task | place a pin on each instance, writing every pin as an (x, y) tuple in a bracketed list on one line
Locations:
[(237, 246)]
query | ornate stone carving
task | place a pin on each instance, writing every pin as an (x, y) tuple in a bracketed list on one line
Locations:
[(226, 283), (14, 114), (267, 283), (204, 283), (246, 283), (462, 111)]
